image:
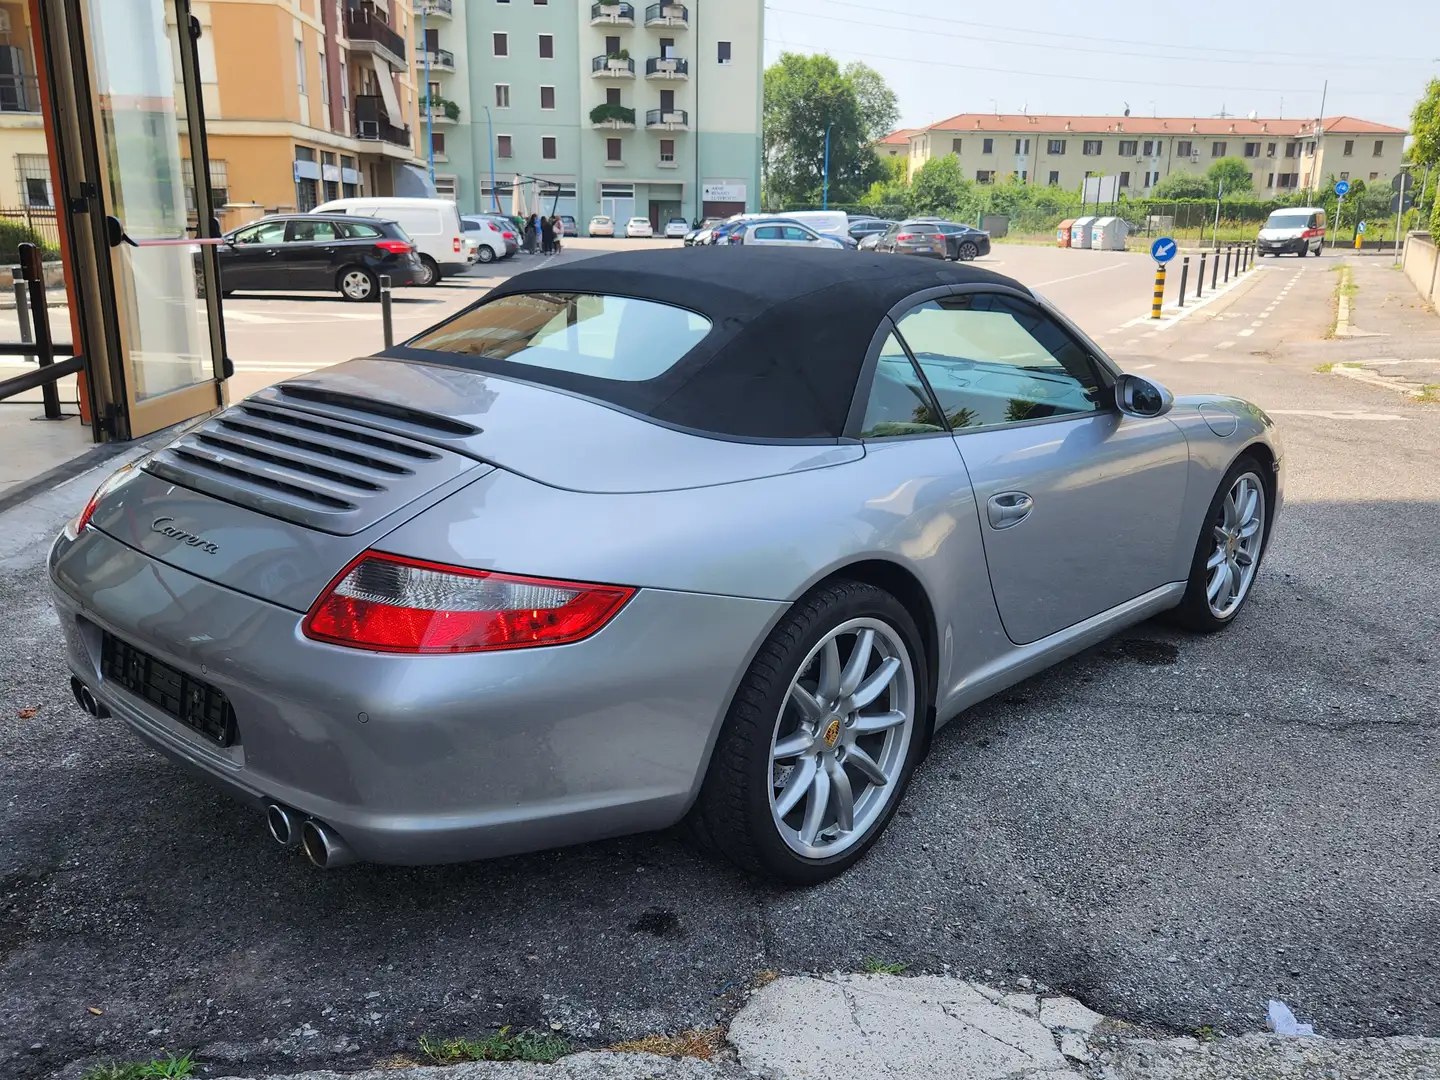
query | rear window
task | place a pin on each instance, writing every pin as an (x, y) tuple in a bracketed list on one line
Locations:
[(603, 337), (359, 231)]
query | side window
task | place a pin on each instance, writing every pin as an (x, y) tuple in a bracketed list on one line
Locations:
[(993, 359), (271, 232), (312, 231), (898, 404), (769, 232), (357, 230), (793, 232)]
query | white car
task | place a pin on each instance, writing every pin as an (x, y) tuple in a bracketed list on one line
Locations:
[(676, 228), (600, 225), (638, 227), (782, 233)]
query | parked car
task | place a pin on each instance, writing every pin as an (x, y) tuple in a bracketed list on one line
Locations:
[(638, 227), (912, 238), (869, 242), (490, 238), (312, 252), (962, 242), (825, 222), (1298, 230), (676, 228), (319, 602), (433, 225), (568, 226), (600, 225), (859, 230), (509, 231), (780, 233), (701, 235)]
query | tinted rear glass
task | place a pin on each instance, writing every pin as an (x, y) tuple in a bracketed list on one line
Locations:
[(603, 337)]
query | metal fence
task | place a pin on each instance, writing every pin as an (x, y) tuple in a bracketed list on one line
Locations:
[(38, 219)]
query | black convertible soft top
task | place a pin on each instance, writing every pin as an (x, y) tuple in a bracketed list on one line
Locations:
[(790, 331)]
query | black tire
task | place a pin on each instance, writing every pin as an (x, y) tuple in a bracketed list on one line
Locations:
[(1194, 611), (353, 292), (968, 251), (732, 816), (484, 254), (433, 268)]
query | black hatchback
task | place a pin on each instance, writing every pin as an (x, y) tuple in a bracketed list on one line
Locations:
[(317, 252)]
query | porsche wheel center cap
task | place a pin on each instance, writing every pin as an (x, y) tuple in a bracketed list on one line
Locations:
[(832, 731)]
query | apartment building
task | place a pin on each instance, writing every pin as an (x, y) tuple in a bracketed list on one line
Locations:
[(1061, 151), (26, 189), (308, 100), (583, 108)]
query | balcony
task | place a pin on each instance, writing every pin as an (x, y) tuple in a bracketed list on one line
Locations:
[(441, 110), (19, 94), (439, 59), (667, 67), (612, 67), (614, 117), (612, 13), (667, 120), (443, 9), (372, 123), (676, 16), (369, 33)]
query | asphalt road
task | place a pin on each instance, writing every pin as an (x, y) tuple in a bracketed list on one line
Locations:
[(1172, 829)]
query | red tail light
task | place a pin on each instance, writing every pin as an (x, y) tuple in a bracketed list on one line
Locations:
[(388, 603), (456, 242), (78, 526), (907, 236), (508, 235), (394, 247)]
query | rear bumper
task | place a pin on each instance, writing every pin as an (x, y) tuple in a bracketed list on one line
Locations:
[(418, 760), (456, 267)]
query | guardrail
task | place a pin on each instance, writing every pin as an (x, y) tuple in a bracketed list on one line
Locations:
[(664, 117), (667, 65), (612, 11), (656, 12), (604, 63)]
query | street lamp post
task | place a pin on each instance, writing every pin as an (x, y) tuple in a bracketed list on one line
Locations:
[(825, 181), (490, 131), (429, 104)]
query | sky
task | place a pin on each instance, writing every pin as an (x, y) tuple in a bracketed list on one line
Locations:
[(943, 57)]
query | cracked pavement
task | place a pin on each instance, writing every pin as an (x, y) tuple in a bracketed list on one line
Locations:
[(1171, 829)]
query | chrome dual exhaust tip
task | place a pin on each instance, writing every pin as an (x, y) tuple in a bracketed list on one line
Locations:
[(284, 825), (87, 700), (322, 845)]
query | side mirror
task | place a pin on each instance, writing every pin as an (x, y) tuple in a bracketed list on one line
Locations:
[(1138, 396)]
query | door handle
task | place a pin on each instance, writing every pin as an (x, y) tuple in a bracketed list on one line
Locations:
[(1008, 508), (272, 253)]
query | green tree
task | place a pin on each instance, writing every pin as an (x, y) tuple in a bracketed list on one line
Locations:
[(804, 97), (1233, 173), (938, 187), (1425, 127), (1183, 186), (895, 188)]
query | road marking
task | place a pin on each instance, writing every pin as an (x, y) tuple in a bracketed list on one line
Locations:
[(1175, 314), (1246, 333), (1141, 367), (1131, 341), (1263, 315), (1193, 357), (1338, 414), (1087, 273), (1226, 345)]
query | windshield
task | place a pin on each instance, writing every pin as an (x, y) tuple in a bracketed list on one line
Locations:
[(604, 337), (1288, 219)]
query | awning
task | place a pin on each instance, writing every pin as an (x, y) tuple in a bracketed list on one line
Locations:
[(412, 182), (387, 90)]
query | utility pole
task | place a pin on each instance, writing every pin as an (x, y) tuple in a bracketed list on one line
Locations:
[(1219, 194), (429, 104), (825, 182), (490, 130), (1320, 138)]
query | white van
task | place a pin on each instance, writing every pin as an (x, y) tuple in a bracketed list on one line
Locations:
[(1296, 229), (432, 224), (826, 222)]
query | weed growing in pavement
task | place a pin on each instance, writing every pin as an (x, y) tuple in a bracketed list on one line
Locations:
[(699, 1043), (502, 1046), (1325, 369), (1206, 1034), (1429, 393), (168, 1068), (879, 967)]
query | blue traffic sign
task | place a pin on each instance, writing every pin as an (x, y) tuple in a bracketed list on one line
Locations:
[(1361, 227), (1341, 187), (1163, 250)]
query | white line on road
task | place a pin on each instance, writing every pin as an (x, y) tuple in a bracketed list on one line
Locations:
[(1246, 333), (1140, 367), (1226, 345), (1194, 357), (1087, 273)]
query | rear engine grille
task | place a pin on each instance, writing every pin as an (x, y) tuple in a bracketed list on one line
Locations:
[(195, 704), (326, 473)]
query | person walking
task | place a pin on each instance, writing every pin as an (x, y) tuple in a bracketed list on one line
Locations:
[(547, 233), (530, 237), (557, 232)]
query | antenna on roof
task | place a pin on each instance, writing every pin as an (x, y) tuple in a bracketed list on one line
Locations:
[(1223, 114), (995, 105), (1127, 108), (1253, 115)]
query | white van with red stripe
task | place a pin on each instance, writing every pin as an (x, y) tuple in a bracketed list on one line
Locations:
[(1296, 230), (433, 225)]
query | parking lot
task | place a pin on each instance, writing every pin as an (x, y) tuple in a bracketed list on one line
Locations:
[(1172, 829)]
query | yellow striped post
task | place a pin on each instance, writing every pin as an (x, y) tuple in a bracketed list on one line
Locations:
[(1159, 301)]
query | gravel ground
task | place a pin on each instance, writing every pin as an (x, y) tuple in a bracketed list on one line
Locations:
[(1171, 829)]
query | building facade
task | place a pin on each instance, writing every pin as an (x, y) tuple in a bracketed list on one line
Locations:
[(585, 108), (27, 192), (1061, 151), (308, 100)]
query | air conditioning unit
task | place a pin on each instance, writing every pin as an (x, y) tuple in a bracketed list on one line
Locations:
[(1195, 159), (1141, 160), (369, 129)]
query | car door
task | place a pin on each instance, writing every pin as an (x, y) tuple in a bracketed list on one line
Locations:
[(1079, 504), (767, 236), (246, 262), (796, 236), (311, 249), (887, 238)]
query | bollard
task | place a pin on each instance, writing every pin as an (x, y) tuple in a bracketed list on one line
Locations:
[(1159, 298), (1215, 271), (1228, 252), (1184, 276), (22, 310), (1249, 256), (385, 320), (1200, 277)]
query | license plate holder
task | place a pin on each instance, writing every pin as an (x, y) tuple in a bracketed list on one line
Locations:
[(193, 702)]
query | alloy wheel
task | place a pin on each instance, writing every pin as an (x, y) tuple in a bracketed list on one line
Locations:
[(968, 251), (842, 738), (356, 284), (1239, 533)]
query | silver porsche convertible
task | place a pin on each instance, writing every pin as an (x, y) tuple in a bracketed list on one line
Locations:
[(643, 539)]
